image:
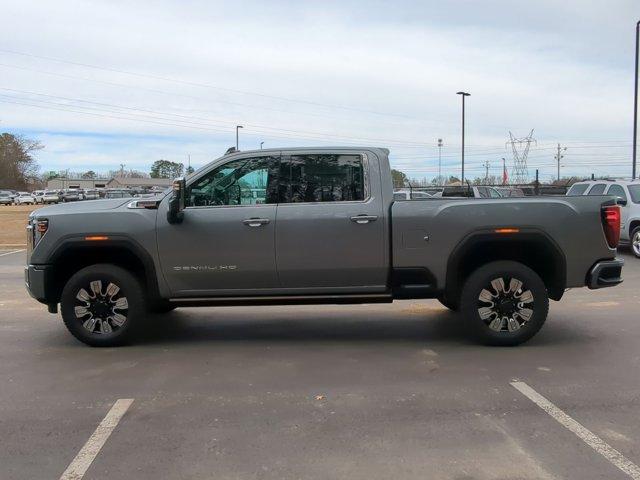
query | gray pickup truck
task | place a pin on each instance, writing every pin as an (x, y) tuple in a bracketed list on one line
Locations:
[(315, 226)]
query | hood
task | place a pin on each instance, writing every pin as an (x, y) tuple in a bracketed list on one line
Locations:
[(84, 206)]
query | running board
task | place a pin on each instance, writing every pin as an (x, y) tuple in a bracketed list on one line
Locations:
[(282, 300)]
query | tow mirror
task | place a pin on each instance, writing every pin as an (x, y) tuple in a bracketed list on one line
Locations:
[(621, 201), (176, 204)]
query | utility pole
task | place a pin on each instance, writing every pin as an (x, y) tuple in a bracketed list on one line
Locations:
[(486, 172), (440, 145), (635, 104), (559, 157), (261, 143), (238, 127), (122, 165), (464, 94)]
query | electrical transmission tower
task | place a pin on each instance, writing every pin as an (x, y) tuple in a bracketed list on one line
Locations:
[(520, 147)]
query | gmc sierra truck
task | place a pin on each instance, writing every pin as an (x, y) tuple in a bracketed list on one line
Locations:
[(312, 226)]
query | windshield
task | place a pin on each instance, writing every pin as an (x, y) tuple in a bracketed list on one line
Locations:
[(634, 191)]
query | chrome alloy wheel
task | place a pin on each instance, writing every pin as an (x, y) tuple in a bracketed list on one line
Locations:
[(635, 243), (505, 309), (101, 311)]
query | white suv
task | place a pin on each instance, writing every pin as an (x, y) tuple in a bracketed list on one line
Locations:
[(628, 193)]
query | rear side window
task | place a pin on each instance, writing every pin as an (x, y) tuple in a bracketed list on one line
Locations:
[(578, 189), (597, 189), (617, 191), (321, 178)]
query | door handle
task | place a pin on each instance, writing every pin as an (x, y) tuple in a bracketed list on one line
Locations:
[(256, 222), (362, 219)]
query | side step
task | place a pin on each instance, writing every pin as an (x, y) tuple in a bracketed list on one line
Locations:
[(282, 300)]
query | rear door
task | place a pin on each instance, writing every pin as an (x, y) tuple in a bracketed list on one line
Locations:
[(330, 232)]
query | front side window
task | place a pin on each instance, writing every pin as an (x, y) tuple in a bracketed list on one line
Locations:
[(246, 181), (322, 178), (597, 189)]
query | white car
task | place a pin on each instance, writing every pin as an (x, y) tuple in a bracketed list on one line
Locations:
[(409, 194), (50, 196), (628, 195), (24, 198), (470, 191), (37, 195)]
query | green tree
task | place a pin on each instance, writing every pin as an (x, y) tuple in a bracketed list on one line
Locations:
[(189, 170), (399, 178), (166, 169)]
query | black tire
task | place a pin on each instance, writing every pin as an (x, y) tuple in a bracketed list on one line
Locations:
[(448, 303), (110, 332), (635, 249), (498, 327)]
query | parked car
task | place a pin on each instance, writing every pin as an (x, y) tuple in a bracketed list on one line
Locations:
[(90, 194), (326, 230), (409, 194), (469, 191), (117, 193), (70, 195), (25, 198), (50, 196), (628, 196), (37, 195), (507, 192), (5, 198)]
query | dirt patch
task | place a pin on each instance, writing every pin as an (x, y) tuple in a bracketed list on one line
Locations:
[(13, 219)]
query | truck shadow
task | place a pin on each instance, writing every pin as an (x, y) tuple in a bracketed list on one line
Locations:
[(443, 326)]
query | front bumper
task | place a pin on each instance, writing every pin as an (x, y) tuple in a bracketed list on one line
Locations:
[(38, 280), (605, 273)]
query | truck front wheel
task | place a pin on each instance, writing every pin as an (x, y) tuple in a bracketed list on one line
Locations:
[(102, 305), (504, 303)]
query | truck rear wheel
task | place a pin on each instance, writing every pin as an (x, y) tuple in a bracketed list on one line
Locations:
[(102, 305), (505, 303)]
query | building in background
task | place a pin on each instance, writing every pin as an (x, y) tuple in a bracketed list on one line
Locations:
[(115, 182)]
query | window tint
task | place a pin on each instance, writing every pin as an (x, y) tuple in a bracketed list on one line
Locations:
[(634, 191), (617, 191), (321, 178), (246, 181), (597, 189), (578, 189)]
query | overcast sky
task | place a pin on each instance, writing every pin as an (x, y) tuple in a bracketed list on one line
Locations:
[(102, 83)]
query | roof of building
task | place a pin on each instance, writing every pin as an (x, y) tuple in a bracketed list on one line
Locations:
[(147, 182)]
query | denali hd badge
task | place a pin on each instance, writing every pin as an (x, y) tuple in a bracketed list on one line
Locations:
[(205, 268)]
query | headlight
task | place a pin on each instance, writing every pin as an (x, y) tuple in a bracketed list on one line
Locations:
[(40, 227)]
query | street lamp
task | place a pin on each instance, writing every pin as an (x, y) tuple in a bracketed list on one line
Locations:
[(635, 105), (261, 143), (440, 145), (464, 94), (237, 128)]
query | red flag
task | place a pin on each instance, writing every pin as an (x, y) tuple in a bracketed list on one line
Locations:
[(505, 177)]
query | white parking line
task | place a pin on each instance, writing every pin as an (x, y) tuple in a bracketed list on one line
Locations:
[(588, 437), (78, 467), (9, 253)]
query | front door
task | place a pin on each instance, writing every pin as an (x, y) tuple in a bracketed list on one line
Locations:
[(225, 243), (330, 233)]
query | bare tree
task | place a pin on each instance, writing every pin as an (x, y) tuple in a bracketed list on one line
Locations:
[(18, 166)]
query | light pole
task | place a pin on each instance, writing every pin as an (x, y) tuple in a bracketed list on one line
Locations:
[(261, 143), (440, 144), (464, 94), (635, 104), (238, 127)]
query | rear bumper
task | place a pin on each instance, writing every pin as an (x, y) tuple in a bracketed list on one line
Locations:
[(605, 273), (36, 279)]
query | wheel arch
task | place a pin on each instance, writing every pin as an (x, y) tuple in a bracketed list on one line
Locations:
[(75, 253), (530, 247)]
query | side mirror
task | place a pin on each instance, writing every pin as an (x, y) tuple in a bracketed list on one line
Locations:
[(176, 204), (621, 201)]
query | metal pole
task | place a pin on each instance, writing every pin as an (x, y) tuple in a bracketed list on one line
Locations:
[(261, 143), (635, 105), (237, 142), (558, 162), (464, 94), (439, 160)]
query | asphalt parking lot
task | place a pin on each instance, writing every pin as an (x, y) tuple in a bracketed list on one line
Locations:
[(359, 392)]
